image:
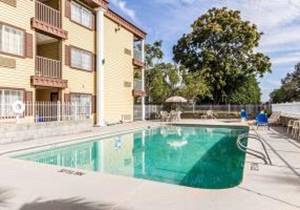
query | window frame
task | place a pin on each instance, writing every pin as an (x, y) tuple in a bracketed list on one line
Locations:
[(82, 8), (2, 90), (83, 95), (24, 40), (81, 67)]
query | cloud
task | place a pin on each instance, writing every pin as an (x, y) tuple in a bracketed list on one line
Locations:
[(291, 58), (122, 5), (176, 2)]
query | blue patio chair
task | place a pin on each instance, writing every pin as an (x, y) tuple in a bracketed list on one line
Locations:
[(262, 120), (244, 115)]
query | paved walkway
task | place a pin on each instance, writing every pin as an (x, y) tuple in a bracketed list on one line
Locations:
[(29, 186)]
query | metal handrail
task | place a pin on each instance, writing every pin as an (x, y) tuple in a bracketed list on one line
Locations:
[(265, 157), (256, 137)]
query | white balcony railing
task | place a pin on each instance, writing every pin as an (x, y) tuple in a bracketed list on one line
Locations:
[(47, 14), (137, 84), (47, 67), (137, 54)]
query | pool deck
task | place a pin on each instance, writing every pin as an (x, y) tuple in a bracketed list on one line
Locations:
[(30, 186)]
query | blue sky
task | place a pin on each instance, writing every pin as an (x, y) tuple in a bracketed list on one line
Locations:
[(279, 20)]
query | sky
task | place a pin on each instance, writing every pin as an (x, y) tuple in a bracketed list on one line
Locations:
[(279, 20)]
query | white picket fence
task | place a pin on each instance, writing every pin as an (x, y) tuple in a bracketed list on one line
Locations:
[(44, 111), (287, 109)]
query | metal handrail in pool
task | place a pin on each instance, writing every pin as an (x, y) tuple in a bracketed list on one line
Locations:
[(265, 157)]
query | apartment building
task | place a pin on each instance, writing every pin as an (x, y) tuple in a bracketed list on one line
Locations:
[(70, 52)]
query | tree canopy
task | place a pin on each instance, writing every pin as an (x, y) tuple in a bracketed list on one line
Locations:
[(164, 80), (153, 53), (290, 88), (248, 93), (221, 46)]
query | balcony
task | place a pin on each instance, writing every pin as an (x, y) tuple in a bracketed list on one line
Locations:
[(137, 58), (49, 20), (46, 67), (48, 73), (138, 89)]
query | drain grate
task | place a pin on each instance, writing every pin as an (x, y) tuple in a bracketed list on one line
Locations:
[(71, 172), (254, 167)]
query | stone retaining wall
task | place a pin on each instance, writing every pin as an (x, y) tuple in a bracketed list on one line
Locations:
[(11, 133)]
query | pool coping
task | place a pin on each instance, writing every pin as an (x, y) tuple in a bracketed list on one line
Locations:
[(101, 137)]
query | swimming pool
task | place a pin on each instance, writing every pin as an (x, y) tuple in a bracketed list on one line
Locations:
[(194, 156)]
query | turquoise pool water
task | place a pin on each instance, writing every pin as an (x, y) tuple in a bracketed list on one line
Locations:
[(200, 157)]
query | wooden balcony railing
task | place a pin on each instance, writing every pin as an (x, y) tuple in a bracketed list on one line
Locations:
[(46, 67), (47, 14)]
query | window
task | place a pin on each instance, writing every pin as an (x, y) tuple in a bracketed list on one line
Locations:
[(7, 98), (81, 59), (11, 40), (82, 105), (81, 15)]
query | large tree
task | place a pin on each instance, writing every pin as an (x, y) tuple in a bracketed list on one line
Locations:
[(222, 47), (290, 88)]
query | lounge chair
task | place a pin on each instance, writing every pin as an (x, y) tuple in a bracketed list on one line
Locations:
[(274, 118), (296, 130), (290, 126), (244, 115), (165, 116), (262, 120), (209, 115), (175, 115)]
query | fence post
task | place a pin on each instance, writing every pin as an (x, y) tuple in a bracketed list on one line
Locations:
[(193, 107), (229, 108), (58, 111)]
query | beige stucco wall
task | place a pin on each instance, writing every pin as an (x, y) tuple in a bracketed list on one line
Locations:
[(18, 77), (78, 81), (118, 68)]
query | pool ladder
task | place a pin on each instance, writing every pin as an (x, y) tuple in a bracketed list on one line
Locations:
[(265, 157)]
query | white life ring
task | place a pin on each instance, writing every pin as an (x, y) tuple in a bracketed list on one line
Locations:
[(18, 107)]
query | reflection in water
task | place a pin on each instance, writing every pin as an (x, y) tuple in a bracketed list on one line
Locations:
[(190, 156)]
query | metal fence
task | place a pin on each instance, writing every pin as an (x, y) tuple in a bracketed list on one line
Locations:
[(250, 108), (137, 112), (153, 111), (44, 111), (287, 109)]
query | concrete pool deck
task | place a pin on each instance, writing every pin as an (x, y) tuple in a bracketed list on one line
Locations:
[(27, 185)]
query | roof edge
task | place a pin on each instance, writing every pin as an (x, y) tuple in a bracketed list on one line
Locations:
[(114, 16)]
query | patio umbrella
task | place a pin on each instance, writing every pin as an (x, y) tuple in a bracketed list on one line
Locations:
[(176, 99)]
